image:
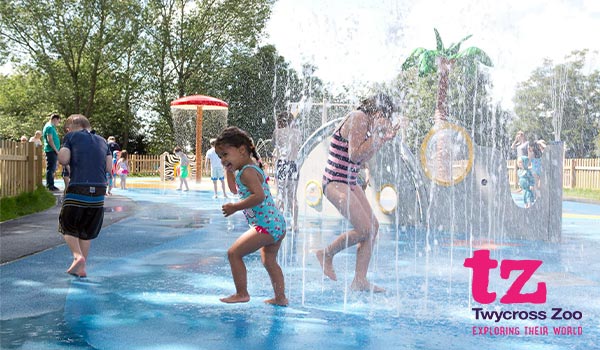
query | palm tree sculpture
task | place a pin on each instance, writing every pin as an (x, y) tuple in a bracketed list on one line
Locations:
[(441, 59)]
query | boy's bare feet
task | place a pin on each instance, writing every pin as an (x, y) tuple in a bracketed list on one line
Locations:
[(77, 267), (365, 286), (326, 262), (277, 301), (236, 298)]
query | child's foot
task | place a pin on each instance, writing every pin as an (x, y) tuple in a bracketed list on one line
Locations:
[(215, 196), (187, 189), (326, 264), (236, 298), (179, 189), (277, 301), (77, 267), (365, 286)]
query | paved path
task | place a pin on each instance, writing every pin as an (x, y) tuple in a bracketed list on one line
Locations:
[(37, 232)]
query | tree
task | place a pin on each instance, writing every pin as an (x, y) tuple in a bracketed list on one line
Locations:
[(187, 43), (560, 100), (23, 104), (72, 42)]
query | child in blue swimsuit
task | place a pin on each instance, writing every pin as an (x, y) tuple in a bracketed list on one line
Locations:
[(267, 224)]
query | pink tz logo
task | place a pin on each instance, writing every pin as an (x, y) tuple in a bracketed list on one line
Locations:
[(482, 264)]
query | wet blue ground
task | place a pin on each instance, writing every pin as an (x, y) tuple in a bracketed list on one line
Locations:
[(155, 280)]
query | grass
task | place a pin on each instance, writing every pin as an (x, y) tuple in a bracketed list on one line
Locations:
[(582, 193), (26, 203)]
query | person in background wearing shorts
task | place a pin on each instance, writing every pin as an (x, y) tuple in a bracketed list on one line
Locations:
[(184, 163), (216, 168), (82, 211), (287, 140)]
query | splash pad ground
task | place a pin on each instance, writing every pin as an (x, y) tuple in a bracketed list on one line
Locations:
[(155, 278)]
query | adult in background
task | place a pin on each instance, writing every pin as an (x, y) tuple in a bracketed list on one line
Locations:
[(358, 137), (534, 152), (520, 144), (287, 140), (112, 144), (115, 150), (51, 147), (82, 212), (37, 138)]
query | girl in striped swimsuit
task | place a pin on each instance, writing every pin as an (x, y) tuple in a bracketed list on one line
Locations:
[(362, 133)]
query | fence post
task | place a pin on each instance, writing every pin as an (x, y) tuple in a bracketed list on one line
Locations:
[(572, 171), (161, 171), (39, 165), (30, 179)]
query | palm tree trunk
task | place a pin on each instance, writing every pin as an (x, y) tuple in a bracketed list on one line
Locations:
[(443, 163), (441, 107)]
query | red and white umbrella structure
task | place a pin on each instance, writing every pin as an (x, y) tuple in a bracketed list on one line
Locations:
[(200, 103)]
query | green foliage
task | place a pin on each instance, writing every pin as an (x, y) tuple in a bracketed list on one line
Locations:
[(26, 203), (565, 94), (465, 87), (23, 104), (426, 60), (188, 46), (468, 106)]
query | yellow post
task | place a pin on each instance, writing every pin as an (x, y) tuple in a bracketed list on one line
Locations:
[(198, 144)]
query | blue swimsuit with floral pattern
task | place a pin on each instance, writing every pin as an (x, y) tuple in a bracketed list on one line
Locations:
[(265, 217)]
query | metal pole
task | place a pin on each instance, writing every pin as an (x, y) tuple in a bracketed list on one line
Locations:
[(198, 144), (324, 115)]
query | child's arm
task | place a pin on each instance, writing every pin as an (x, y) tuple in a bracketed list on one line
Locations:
[(206, 162), (231, 181), (253, 181)]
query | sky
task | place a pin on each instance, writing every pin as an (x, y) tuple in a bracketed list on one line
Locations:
[(362, 41)]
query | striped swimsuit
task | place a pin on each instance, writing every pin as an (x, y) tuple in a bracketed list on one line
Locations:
[(339, 166)]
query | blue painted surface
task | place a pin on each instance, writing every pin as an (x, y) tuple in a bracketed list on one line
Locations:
[(155, 280)]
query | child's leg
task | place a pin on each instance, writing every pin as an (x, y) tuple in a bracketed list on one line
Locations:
[(248, 243), (184, 180), (77, 268), (215, 186), (123, 182), (269, 260)]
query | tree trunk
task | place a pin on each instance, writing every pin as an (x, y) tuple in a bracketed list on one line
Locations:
[(441, 107), (443, 163)]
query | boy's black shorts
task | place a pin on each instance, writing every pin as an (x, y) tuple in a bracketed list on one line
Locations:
[(82, 212)]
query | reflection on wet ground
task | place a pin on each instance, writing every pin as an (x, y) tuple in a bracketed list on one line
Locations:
[(155, 279)]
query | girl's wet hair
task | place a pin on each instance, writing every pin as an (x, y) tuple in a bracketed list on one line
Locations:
[(236, 137), (284, 119), (124, 154), (379, 102)]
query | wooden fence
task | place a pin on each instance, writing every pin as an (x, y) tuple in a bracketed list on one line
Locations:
[(577, 173), (145, 165), (21, 167), (168, 161)]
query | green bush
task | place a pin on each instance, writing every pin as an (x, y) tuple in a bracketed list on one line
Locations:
[(26, 203)]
